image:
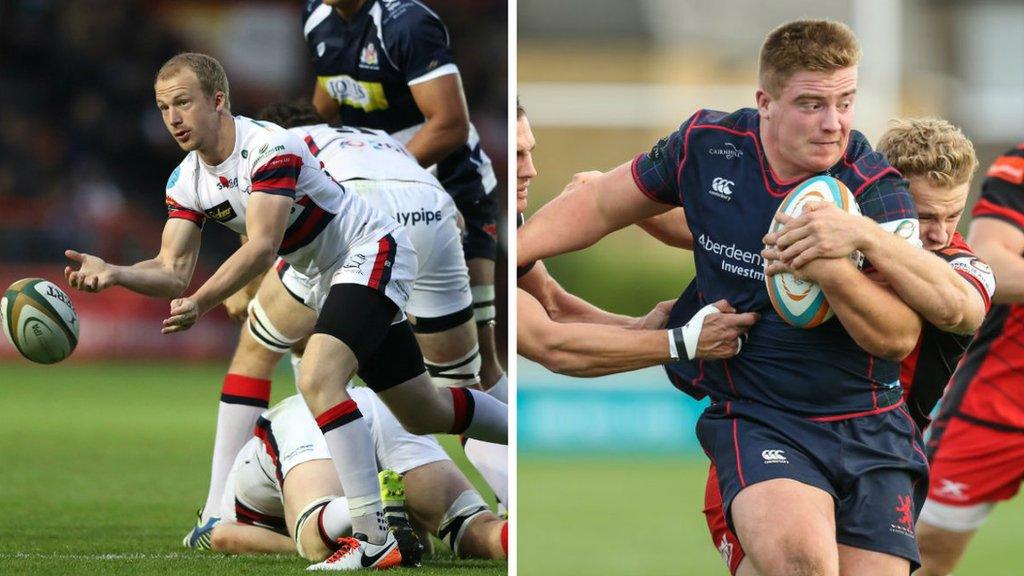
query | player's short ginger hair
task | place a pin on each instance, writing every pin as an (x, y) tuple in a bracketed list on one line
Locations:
[(813, 45), (930, 148), (211, 75)]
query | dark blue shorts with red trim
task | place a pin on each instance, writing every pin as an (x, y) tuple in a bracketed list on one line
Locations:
[(873, 466)]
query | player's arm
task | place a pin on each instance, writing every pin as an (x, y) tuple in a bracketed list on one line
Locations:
[(585, 212), (1001, 245), (237, 305), (443, 104), (235, 538), (561, 306), (874, 315), (927, 283), (670, 228), (579, 349), (326, 107), (265, 222), (167, 275)]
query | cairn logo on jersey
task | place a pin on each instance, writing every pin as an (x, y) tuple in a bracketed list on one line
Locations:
[(722, 188), (729, 150), (368, 57), (774, 456), (222, 212)]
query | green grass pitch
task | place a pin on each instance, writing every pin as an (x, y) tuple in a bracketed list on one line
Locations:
[(102, 466), (642, 517)]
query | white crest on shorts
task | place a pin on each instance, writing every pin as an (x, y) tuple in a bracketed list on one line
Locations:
[(774, 456)]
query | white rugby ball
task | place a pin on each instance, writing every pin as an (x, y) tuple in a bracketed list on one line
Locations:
[(802, 303), (39, 320)]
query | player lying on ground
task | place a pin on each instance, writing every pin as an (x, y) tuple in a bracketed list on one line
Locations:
[(976, 448), (276, 316), (261, 181), (938, 160), (567, 334), (283, 496), (803, 396), (388, 65)]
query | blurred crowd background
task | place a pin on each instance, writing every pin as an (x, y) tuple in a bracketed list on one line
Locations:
[(603, 80), (84, 155)]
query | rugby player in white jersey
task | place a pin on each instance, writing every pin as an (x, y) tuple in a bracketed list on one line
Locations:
[(440, 307), (282, 495), (261, 181)]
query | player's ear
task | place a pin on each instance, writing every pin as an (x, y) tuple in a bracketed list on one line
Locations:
[(763, 100), (219, 100)]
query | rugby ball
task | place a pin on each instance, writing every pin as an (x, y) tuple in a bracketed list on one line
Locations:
[(39, 320), (802, 303)]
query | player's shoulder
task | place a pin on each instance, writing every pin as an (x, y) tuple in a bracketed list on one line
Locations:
[(262, 140), (404, 15), (742, 120), (180, 176), (1008, 167), (862, 166)]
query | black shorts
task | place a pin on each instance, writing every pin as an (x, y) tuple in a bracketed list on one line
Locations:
[(480, 239), (873, 466)]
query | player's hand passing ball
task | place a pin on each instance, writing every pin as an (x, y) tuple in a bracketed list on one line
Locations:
[(93, 274), (184, 313), (822, 231)]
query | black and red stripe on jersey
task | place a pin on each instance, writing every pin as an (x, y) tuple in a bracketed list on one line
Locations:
[(279, 175), (926, 371), (310, 223), (175, 210), (988, 386)]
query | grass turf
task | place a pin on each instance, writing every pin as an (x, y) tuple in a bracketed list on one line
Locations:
[(643, 517), (103, 465)]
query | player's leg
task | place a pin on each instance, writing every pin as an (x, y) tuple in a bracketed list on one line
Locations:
[(860, 562), (972, 468), (234, 538), (315, 510), (787, 528), (480, 248), (941, 549), (439, 497), (778, 500), (276, 319)]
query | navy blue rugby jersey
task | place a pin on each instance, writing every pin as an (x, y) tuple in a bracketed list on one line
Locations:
[(367, 65), (714, 166)]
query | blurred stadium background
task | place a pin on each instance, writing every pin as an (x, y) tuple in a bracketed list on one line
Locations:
[(611, 479), (84, 158)]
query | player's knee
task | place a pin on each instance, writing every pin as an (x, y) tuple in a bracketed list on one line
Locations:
[(455, 524), (222, 540), (462, 371), (939, 555), (309, 540)]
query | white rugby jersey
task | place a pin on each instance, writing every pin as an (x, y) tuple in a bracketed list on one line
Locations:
[(351, 153), (325, 219)]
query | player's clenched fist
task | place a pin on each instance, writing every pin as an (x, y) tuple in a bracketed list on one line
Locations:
[(184, 313), (92, 275)]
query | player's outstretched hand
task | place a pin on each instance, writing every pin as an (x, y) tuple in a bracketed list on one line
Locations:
[(822, 231), (657, 318), (720, 335), (92, 275), (184, 313)]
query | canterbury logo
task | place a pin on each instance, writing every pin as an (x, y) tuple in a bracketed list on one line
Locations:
[(774, 456), (722, 186)]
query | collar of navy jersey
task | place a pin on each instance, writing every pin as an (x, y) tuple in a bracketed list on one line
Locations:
[(356, 18)]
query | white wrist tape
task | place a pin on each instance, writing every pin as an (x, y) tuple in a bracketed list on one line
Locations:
[(691, 330)]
